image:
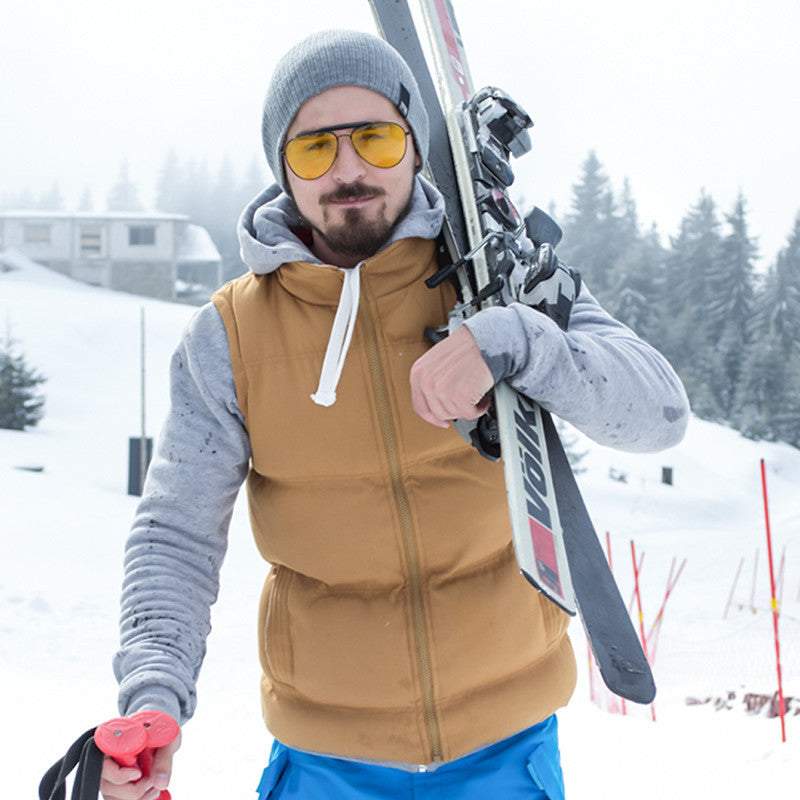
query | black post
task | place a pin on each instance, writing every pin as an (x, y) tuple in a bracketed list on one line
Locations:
[(138, 461)]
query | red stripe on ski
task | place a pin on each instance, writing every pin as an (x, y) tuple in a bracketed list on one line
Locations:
[(544, 548), (453, 49)]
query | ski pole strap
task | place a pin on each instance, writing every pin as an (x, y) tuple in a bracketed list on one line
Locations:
[(87, 757)]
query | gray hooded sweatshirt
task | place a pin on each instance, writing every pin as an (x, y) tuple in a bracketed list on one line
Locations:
[(598, 375)]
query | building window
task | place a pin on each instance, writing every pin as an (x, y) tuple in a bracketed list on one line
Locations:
[(37, 234), (141, 234), (90, 240)]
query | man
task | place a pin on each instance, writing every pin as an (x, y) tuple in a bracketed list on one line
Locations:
[(401, 650)]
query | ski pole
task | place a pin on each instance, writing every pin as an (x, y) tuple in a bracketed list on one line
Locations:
[(131, 741)]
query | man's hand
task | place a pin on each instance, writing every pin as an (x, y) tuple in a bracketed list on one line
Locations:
[(451, 380), (127, 783)]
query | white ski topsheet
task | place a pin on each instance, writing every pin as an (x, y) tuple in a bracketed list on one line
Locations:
[(535, 525)]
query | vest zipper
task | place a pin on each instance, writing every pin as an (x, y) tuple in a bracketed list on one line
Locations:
[(409, 536)]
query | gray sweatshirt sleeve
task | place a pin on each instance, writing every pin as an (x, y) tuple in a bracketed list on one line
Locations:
[(598, 375), (179, 536)]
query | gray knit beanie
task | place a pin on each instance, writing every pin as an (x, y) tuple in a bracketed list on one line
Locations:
[(338, 58)]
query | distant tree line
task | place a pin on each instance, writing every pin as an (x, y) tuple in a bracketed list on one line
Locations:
[(732, 333), (213, 199)]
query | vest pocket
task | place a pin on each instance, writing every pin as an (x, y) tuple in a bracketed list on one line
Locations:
[(277, 631)]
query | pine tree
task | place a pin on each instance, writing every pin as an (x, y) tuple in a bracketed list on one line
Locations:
[(198, 200), (762, 385), (636, 298), (228, 204), (786, 414), (731, 283), (86, 203), (170, 190), (694, 256), (732, 280), (592, 230), (780, 310), (767, 403), (123, 195), (20, 404), (52, 199), (254, 181)]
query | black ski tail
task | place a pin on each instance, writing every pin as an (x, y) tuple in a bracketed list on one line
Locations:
[(608, 625)]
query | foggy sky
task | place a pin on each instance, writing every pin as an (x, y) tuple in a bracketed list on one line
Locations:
[(675, 97)]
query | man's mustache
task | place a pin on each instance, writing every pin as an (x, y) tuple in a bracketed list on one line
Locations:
[(351, 191)]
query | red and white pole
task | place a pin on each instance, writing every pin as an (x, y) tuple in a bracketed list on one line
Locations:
[(774, 603)]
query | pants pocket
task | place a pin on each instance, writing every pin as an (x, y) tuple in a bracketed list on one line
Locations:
[(272, 775), (544, 767)]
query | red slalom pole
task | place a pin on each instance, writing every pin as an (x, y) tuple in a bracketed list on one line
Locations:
[(655, 628), (774, 603), (131, 741)]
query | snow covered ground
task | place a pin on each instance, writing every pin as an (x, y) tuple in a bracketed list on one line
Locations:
[(63, 529)]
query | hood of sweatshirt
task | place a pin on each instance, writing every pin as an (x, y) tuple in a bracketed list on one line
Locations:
[(271, 231)]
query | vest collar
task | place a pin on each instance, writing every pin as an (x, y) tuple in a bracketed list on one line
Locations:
[(391, 270)]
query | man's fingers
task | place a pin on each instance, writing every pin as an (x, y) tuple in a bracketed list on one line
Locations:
[(161, 769), (451, 380), (116, 775), (127, 783), (439, 407), (419, 401), (130, 791)]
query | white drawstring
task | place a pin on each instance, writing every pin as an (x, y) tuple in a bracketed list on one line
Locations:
[(339, 342)]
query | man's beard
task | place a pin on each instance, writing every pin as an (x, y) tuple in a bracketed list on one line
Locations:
[(358, 237)]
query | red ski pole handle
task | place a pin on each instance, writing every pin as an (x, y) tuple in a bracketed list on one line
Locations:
[(131, 741)]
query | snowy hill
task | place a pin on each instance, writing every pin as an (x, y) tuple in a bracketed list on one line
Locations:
[(63, 530)]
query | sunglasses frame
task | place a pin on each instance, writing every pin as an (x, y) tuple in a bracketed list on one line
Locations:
[(353, 126)]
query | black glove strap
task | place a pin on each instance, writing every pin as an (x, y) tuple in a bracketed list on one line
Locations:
[(83, 754)]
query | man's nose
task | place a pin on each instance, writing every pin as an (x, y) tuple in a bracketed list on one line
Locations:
[(349, 166)]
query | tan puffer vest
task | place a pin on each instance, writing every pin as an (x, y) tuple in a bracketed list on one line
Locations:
[(394, 624)]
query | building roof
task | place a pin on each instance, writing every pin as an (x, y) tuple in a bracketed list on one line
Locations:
[(196, 244), (40, 214)]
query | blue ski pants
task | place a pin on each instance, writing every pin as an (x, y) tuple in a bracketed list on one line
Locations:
[(526, 765)]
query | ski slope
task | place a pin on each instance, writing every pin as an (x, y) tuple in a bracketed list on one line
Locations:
[(65, 515)]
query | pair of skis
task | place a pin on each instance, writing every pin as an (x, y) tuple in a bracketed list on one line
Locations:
[(472, 137)]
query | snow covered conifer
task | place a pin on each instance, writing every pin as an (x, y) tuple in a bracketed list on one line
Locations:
[(21, 405)]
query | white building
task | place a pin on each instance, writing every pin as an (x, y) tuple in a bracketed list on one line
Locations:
[(152, 254)]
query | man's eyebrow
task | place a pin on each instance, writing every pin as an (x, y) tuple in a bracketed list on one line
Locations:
[(333, 128)]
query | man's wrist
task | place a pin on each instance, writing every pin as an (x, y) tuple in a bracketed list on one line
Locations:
[(494, 331), (154, 698)]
